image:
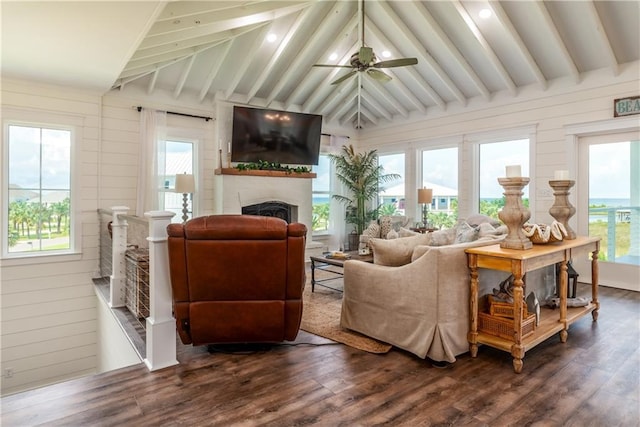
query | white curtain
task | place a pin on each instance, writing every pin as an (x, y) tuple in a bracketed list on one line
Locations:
[(337, 225), (151, 173)]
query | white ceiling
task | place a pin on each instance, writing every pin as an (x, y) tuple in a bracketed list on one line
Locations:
[(203, 51)]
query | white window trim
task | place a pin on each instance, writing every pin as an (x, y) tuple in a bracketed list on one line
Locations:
[(472, 142), (69, 122)]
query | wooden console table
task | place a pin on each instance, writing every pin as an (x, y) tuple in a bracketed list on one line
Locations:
[(518, 263)]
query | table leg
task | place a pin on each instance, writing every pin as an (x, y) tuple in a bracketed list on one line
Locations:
[(595, 271), (313, 275), (564, 280), (473, 308)]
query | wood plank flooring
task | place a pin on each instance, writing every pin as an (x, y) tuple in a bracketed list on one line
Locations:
[(591, 380)]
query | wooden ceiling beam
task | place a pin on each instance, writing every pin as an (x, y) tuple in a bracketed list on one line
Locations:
[(604, 39), (322, 32), (508, 27), (486, 47), (451, 48), (248, 58), (559, 43), (266, 71), (423, 55)]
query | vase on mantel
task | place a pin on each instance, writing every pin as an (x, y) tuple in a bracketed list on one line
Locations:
[(562, 210), (514, 214)]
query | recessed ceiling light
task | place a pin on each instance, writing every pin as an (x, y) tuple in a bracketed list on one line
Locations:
[(485, 13), (333, 56), (271, 38), (386, 53)]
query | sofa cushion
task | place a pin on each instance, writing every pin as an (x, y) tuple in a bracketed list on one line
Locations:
[(405, 232), (396, 252)]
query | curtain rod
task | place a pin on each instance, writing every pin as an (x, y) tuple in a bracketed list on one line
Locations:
[(340, 136), (139, 108)]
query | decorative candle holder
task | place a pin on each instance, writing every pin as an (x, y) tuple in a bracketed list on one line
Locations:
[(514, 214), (562, 210)]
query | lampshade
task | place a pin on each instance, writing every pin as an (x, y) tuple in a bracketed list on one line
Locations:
[(425, 195), (185, 183)]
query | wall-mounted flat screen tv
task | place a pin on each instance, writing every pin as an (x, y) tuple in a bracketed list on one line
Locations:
[(275, 136)]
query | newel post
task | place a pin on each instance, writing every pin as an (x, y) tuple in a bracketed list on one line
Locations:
[(161, 325), (118, 248)]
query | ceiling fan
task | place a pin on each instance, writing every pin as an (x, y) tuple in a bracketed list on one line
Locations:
[(365, 60)]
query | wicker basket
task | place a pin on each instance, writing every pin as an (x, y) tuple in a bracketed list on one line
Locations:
[(503, 327), (504, 309), (137, 283)]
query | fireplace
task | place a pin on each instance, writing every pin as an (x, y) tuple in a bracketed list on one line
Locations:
[(274, 208)]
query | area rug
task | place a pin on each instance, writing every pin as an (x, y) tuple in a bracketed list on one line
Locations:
[(321, 316)]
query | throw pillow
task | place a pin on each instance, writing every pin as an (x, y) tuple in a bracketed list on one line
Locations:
[(385, 225), (395, 252), (443, 237), (393, 234), (466, 233), (486, 229), (373, 230), (477, 219)]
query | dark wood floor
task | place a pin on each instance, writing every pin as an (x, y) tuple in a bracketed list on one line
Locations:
[(591, 380)]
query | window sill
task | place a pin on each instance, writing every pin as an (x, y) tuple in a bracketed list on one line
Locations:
[(31, 259)]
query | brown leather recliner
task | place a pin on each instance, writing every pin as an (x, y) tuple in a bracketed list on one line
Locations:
[(237, 278)]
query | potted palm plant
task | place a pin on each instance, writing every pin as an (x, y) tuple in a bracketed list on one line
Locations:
[(363, 178)]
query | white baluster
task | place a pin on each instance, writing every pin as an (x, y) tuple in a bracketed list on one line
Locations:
[(161, 325), (118, 247)]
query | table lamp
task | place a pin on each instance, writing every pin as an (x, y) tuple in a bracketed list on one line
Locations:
[(425, 196), (185, 184)]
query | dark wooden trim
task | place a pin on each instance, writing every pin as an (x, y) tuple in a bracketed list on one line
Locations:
[(274, 174)]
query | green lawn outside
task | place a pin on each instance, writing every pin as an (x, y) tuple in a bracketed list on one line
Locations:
[(599, 229)]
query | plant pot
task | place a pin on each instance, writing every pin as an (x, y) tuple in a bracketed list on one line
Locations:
[(354, 241)]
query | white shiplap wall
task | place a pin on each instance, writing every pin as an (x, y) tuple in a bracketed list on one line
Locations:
[(48, 304), (549, 113)]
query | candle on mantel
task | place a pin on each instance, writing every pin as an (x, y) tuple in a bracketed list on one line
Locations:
[(514, 171), (561, 175)]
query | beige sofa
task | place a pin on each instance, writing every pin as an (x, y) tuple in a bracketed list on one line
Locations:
[(421, 307)]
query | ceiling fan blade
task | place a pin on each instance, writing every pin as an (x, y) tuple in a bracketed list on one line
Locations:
[(343, 78), (378, 75), (332, 66), (401, 62), (365, 55)]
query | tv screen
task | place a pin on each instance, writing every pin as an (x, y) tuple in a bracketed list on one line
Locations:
[(275, 136)]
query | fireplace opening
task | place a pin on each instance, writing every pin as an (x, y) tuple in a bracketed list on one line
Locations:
[(273, 208)]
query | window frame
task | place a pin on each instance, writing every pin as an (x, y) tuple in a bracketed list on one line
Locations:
[(175, 135), (473, 143), (328, 192), (44, 120)]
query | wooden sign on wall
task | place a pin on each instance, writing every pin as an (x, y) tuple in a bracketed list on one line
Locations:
[(626, 106)]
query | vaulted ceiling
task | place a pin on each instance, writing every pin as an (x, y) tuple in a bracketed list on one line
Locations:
[(204, 51)]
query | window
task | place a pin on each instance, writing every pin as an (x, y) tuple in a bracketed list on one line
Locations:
[(391, 196), (178, 159), (494, 157), (39, 208), (440, 173), (321, 195)]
